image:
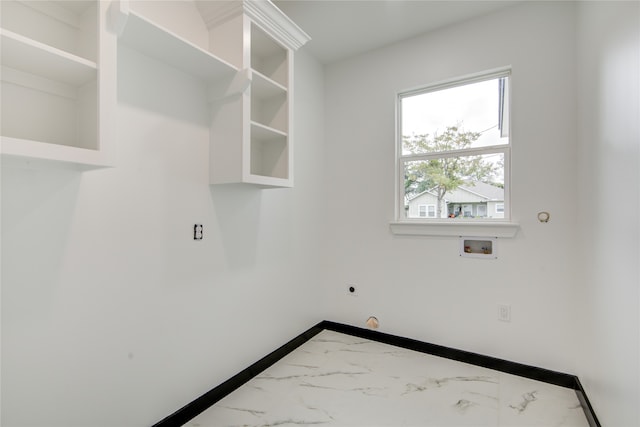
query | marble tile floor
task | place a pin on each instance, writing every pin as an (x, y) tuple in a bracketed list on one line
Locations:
[(336, 379)]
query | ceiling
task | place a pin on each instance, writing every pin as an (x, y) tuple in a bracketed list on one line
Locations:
[(343, 28)]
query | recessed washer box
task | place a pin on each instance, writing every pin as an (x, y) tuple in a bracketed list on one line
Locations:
[(479, 247)]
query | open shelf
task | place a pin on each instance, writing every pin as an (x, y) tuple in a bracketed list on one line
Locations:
[(269, 57), (264, 87), (36, 150), (248, 69), (38, 109), (159, 43), (261, 132), (30, 56), (53, 96), (67, 26), (269, 105), (269, 152)]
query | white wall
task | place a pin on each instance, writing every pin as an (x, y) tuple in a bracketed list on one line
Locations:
[(419, 286), (572, 283), (112, 315), (609, 138)]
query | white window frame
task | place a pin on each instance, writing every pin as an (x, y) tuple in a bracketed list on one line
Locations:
[(499, 211), (502, 227), (427, 211)]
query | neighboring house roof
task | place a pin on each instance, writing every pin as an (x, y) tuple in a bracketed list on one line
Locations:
[(487, 192), (470, 192)]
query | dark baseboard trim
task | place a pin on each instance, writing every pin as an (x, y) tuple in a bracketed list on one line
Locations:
[(527, 371), (202, 403), (557, 378), (586, 405)]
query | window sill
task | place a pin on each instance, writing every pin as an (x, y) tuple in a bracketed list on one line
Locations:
[(503, 229)]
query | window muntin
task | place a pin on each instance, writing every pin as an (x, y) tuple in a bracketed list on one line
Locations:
[(425, 211), (454, 149)]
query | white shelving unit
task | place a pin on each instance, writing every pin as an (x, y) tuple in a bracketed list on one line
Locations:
[(59, 80), (160, 43), (251, 138), (271, 153), (58, 88)]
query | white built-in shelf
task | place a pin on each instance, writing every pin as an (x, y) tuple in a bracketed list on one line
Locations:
[(264, 88), (264, 181), (160, 43), (30, 56), (24, 149), (251, 140), (58, 91), (269, 57), (261, 132), (270, 158)]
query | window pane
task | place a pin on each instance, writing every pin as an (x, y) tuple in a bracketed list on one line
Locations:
[(467, 116), (457, 187)]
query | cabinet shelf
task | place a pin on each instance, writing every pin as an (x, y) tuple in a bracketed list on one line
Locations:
[(265, 133), (264, 87), (251, 135), (269, 152), (36, 150), (66, 26), (269, 57), (159, 43), (39, 59), (58, 82), (264, 181), (269, 103)]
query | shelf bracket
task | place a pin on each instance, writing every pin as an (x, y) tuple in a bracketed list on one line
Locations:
[(118, 15), (237, 86)]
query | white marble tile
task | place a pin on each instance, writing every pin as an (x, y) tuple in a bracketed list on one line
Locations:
[(526, 402), (340, 380)]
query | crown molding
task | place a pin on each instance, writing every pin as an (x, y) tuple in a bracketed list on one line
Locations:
[(268, 16), (263, 12)]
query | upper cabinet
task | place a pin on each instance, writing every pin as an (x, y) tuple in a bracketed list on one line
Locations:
[(251, 130), (58, 81), (245, 59), (59, 85)]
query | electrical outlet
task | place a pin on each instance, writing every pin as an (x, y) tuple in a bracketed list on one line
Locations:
[(504, 312), (198, 232)]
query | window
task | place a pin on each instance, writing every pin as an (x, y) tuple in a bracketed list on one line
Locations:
[(426, 211), (453, 150)]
